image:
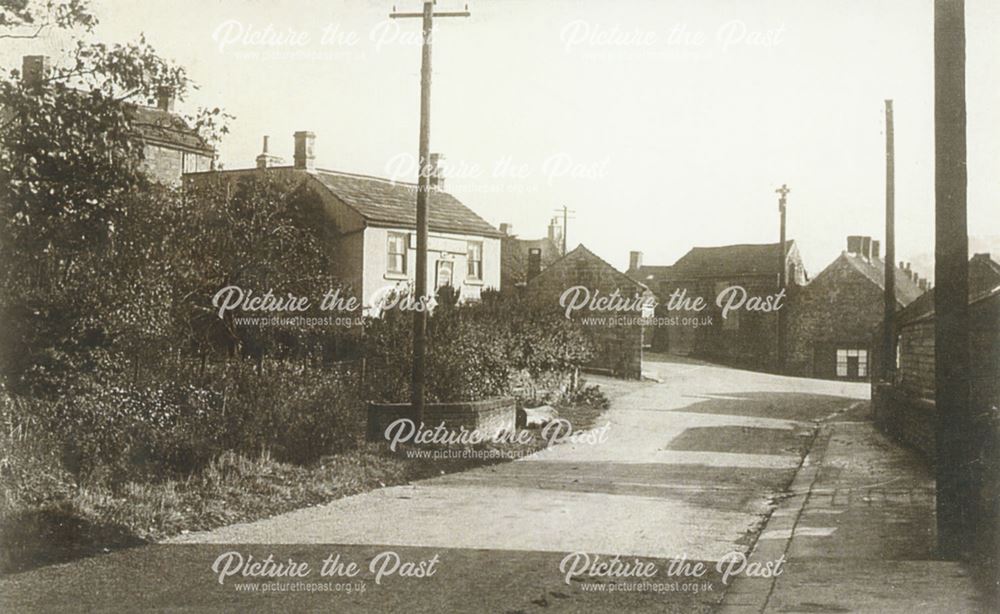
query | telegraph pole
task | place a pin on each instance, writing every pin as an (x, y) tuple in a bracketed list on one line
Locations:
[(955, 430), (889, 297), (423, 188), (782, 192), (566, 218)]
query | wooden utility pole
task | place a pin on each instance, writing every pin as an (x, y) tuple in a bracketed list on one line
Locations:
[(889, 296), (423, 189), (782, 192), (955, 439), (565, 229)]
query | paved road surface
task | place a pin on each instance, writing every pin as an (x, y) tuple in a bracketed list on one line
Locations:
[(690, 468)]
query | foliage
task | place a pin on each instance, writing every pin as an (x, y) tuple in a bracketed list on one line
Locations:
[(474, 349)]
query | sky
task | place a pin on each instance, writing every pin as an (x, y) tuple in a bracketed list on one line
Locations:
[(663, 124)]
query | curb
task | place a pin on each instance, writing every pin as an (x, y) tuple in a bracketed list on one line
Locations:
[(746, 595)]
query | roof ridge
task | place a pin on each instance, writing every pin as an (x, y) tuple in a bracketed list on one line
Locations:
[(364, 176)]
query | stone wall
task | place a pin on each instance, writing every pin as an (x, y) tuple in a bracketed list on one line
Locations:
[(166, 165), (487, 417), (838, 309), (617, 336)]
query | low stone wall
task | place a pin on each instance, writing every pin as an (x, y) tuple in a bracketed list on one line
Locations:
[(488, 416)]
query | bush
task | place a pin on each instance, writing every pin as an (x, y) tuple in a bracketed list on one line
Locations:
[(474, 350)]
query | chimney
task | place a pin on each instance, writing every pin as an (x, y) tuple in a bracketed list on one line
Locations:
[(634, 261), (876, 254), (507, 229), (265, 159), (165, 98), (304, 157), (854, 244), (555, 232), (534, 262), (866, 247), (437, 172), (923, 284), (35, 69)]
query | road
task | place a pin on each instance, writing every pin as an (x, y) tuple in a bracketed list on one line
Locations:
[(691, 468)]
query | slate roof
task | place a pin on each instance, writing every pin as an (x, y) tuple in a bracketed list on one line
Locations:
[(907, 290), (984, 279), (165, 128), (394, 203), (730, 260), (564, 267)]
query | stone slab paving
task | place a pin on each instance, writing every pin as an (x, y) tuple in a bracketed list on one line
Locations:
[(858, 536)]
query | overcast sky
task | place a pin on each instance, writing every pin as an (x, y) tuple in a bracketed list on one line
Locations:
[(663, 124)]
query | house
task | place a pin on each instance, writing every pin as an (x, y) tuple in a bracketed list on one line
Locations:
[(743, 338), (170, 146), (617, 334), (372, 223), (830, 320), (523, 259), (904, 400)]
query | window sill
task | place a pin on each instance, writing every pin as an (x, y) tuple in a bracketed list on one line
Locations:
[(474, 282), (396, 276)]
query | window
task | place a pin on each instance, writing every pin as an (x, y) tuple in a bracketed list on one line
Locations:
[(852, 362), (475, 260), (396, 261)]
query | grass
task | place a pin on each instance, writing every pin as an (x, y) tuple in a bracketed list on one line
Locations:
[(46, 517)]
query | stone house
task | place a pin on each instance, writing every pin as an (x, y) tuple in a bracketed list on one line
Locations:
[(372, 221), (744, 338), (616, 335), (170, 146), (830, 320), (523, 259)]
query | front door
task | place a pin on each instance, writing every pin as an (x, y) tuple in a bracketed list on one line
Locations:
[(445, 270)]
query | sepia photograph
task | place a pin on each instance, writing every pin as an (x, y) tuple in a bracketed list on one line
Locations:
[(500, 306)]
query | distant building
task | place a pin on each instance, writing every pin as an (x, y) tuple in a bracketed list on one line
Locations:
[(170, 146), (372, 223), (830, 320), (522, 259), (744, 338), (617, 340)]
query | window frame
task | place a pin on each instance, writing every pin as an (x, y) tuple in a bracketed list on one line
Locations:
[(390, 261), (470, 274)]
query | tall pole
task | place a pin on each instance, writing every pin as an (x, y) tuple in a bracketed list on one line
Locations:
[(565, 227), (782, 192), (889, 296), (423, 185), (955, 486), (418, 375)]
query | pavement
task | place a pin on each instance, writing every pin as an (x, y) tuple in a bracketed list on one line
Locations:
[(707, 464), (858, 532)]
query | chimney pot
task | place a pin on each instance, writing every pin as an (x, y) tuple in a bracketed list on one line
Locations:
[(876, 252), (854, 244), (634, 260), (304, 159), (35, 69), (265, 159)]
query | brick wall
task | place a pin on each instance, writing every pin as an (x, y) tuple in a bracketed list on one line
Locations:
[(487, 417)]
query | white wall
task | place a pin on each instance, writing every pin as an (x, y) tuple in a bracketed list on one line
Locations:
[(441, 246)]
